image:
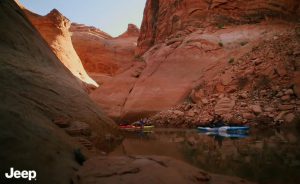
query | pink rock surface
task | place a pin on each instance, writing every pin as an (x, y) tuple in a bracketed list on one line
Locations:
[(100, 53), (54, 28)]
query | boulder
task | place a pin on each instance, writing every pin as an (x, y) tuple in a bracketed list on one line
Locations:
[(226, 78), (256, 109), (289, 92), (249, 116), (285, 98), (243, 95), (197, 95), (204, 101), (178, 113), (280, 116), (224, 106), (191, 113), (289, 118), (285, 107), (269, 109), (281, 70)]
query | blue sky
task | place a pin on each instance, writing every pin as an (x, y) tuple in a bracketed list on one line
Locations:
[(111, 16)]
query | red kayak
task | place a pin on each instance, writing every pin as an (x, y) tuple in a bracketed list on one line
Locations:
[(130, 127)]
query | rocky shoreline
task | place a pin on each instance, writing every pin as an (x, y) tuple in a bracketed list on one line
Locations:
[(252, 91)]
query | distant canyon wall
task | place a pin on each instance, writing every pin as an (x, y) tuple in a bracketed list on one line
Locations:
[(102, 54)]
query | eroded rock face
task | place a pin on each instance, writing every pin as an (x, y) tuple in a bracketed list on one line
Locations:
[(100, 53), (191, 43), (54, 28), (166, 18), (224, 106), (36, 89), (113, 94), (262, 95), (148, 170)]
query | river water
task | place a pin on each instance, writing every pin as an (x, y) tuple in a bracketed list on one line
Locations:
[(266, 156)]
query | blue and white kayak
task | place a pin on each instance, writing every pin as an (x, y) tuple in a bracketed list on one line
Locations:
[(224, 129)]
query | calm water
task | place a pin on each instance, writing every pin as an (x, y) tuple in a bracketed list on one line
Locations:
[(268, 156)]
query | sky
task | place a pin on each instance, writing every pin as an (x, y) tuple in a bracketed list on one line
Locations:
[(111, 16)]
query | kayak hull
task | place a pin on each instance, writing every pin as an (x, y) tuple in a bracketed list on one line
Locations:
[(227, 134), (224, 129), (135, 128)]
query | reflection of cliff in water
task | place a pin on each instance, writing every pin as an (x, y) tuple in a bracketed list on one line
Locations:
[(159, 142), (265, 156)]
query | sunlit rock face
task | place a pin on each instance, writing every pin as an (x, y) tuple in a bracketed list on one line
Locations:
[(35, 89), (102, 54), (166, 17), (54, 28), (188, 44)]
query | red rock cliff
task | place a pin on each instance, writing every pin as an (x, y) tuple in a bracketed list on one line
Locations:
[(102, 54), (187, 44), (162, 18), (54, 28)]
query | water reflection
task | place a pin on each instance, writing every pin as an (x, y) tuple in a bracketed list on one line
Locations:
[(268, 156)]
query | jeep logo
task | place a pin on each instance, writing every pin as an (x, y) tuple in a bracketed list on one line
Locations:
[(21, 174)]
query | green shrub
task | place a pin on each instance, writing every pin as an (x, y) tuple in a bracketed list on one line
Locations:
[(242, 82), (231, 60), (243, 43), (221, 44), (220, 26), (139, 58), (262, 82), (255, 48)]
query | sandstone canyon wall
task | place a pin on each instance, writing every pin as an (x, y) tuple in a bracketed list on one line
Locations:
[(102, 54), (37, 91), (165, 19), (186, 44), (54, 28)]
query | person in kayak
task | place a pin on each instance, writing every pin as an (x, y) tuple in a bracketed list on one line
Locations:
[(217, 122), (142, 123)]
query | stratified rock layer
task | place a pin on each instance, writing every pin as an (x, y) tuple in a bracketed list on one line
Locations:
[(187, 44), (102, 54), (54, 28), (167, 17), (36, 89)]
